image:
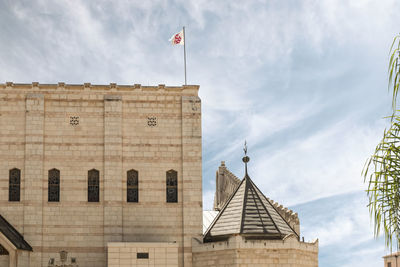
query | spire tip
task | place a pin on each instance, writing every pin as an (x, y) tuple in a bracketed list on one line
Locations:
[(245, 159)]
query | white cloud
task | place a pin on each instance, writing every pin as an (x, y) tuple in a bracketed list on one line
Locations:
[(342, 225), (300, 80), (324, 163), (208, 199)]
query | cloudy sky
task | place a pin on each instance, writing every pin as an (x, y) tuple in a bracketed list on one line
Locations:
[(304, 82)]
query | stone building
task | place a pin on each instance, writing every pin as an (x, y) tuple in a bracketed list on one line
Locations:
[(85, 165), (392, 260), (250, 229), (110, 175)]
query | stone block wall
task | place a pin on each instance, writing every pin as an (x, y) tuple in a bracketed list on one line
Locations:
[(392, 260), (126, 254), (23, 258), (238, 251), (76, 128), (4, 260)]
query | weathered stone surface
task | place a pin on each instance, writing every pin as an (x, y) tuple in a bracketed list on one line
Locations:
[(238, 251), (76, 128)]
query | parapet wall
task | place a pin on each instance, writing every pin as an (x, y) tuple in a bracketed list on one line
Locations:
[(112, 87), (289, 215), (238, 251)]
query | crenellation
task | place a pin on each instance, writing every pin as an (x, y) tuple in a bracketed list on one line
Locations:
[(61, 85), (87, 86), (35, 85), (136, 88)]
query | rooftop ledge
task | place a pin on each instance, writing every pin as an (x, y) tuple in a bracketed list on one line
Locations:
[(97, 87)]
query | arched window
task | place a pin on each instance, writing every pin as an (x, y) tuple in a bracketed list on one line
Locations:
[(93, 186), (54, 186), (172, 186), (14, 186), (132, 183)]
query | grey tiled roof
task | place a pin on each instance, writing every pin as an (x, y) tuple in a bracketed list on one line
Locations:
[(13, 235), (250, 213)]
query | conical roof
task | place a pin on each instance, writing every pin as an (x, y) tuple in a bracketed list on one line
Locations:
[(250, 213)]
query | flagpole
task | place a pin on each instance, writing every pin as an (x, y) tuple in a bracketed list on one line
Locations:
[(184, 51)]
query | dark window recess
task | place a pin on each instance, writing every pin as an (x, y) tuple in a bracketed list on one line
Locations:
[(54, 185), (93, 186), (172, 186), (3, 251), (132, 182), (14, 185), (142, 255), (389, 264)]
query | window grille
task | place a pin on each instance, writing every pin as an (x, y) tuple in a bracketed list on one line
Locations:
[(172, 186), (152, 121), (93, 186), (14, 185), (74, 120), (132, 192), (54, 186)]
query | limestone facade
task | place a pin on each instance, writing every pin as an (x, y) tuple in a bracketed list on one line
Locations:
[(392, 260), (125, 254), (239, 252), (112, 129)]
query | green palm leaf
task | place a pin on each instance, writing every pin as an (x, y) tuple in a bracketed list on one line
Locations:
[(382, 169)]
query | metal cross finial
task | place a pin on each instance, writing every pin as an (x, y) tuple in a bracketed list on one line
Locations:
[(245, 158)]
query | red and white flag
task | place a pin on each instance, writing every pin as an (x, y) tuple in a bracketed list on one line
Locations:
[(178, 38)]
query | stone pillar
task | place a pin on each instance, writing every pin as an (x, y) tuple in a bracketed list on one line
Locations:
[(12, 258), (34, 179), (112, 169), (191, 174)]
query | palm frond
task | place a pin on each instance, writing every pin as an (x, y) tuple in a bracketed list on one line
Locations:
[(382, 169)]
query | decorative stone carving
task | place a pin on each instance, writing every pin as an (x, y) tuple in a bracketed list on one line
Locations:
[(63, 261), (152, 121), (74, 120)]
